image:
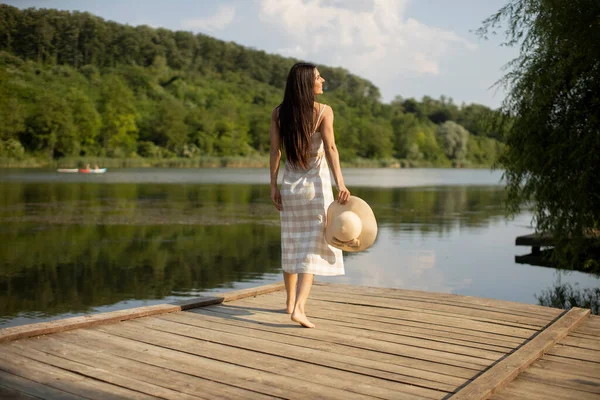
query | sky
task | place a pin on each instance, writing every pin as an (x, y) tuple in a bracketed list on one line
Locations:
[(407, 48)]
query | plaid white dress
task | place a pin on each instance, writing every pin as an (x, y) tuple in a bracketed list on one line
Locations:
[(305, 196)]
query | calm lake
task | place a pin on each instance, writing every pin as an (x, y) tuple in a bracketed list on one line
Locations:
[(72, 244)]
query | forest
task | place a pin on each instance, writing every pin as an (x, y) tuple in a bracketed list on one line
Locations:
[(76, 88)]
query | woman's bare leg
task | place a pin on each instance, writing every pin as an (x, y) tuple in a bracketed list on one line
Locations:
[(298, 315), (290, 281)]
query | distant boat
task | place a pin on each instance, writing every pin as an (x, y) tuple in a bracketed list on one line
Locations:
[(92, 171), (82, 170)]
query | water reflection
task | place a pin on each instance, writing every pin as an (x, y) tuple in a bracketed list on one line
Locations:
[(65, 268), (75, 247), (566, 296)]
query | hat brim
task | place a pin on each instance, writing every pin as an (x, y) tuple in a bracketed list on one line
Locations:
[(369, 224)]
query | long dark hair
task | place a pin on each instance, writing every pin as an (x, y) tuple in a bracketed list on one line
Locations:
[(296, 114)]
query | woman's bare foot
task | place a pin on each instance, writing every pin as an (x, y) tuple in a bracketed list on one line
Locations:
[(302, 320)]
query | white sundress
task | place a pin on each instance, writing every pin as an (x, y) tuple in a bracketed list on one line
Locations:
[(305, 196)]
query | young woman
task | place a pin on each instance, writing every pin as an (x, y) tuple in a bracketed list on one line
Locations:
[(304, 128)]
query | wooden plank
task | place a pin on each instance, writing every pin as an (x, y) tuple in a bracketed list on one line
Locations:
[(507, 394), (326, 369), (588, 372), (287, 336), (535, 240), (34, 389), (63, 380), (98, 374), (426, 297), (445, 357), (286, 367), (359, 346), (541, 373), (416, 330), (532, 390), (390, 338), (158, 381), (431, 322), (252, 292), (586, 330), (506, 370), (367, 309), (326, 335), (581, 342), (436, 307), (12, 394), (441, 310), (45, 328), (593, 322), (576, 353), (183, 370), (582, 335), (197, 302), (174, 380), (181, 354), (393, 315), (363, 315), (446, 298), (583, 367)]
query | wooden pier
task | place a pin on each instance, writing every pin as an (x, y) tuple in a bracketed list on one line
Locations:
[(369, 343), (542, 246)]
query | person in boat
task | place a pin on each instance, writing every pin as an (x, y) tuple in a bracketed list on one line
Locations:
[(96, 167)]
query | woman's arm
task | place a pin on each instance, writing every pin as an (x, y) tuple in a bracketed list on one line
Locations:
[(332, 154), (275, 157)]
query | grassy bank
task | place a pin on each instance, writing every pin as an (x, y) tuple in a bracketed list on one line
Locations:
[(208, 162)]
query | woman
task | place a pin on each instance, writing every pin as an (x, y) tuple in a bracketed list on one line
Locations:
[(305, 129)]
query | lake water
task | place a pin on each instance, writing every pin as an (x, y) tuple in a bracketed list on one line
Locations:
[(72, 244)]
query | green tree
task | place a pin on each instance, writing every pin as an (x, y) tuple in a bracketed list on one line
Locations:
[(114, 90), (553, 142), (12, 109), (49, 129), (405, 128), (168, 127), (428, 146), (119, 131), (375, 140), (453, 139), (86, 120)]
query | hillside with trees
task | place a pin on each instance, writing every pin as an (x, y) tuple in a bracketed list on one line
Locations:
[(75, 87)]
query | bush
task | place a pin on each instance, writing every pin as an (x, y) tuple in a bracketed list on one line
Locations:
[(12, 148)]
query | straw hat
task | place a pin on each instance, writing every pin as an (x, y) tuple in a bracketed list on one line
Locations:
[(351, 226)]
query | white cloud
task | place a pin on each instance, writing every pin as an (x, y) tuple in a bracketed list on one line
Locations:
[(376, 41), (224, 16)]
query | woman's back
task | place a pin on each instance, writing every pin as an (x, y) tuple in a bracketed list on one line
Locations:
[(316, 148), (306, 194)]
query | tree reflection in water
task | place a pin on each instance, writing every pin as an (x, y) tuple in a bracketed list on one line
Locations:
[(73, 247), (565, 296)]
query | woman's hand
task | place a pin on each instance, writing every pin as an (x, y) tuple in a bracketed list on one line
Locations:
[(343, 194), (276, 197)]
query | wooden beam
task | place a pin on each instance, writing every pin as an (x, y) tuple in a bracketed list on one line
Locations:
[(535, 239), (65, 324), (503, 372), (252, 292)]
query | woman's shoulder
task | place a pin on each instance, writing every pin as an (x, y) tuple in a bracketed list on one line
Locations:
[(324, 108)]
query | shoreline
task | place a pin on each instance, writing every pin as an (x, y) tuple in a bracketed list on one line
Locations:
[(214, 162)]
